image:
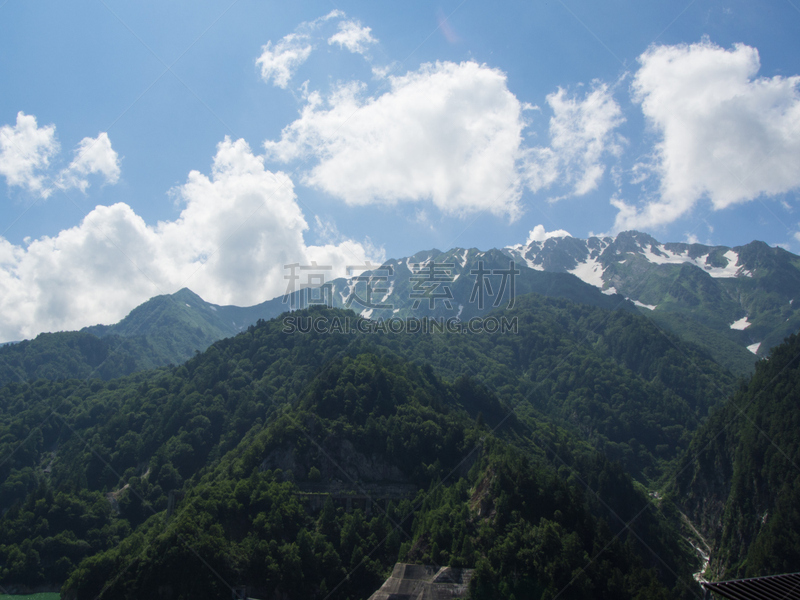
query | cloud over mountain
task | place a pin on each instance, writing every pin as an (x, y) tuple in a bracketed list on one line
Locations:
[(723, 133), (450, 133), (238, 228)]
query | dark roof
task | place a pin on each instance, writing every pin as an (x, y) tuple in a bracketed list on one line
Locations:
[(774, 587)]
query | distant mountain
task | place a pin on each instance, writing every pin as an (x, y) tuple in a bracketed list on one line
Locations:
[(739, 481), (736, 302), (169, 329), (203, 323), (460, 283), (165, 330)]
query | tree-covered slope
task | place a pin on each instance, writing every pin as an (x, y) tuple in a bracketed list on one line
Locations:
[(73, 354), (373, 422), (612, 377), (88, 468), (740, 479)]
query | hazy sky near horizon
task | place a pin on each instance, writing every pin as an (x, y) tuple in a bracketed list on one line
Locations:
[(152, 146)]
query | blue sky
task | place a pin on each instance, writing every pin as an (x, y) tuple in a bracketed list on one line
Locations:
[(152, 146)]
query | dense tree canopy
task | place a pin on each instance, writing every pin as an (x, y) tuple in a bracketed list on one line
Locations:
[(516, 445)]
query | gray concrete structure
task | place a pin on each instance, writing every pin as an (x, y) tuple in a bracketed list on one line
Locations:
[(424, 582)]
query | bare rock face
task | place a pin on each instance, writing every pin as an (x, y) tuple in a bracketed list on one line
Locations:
[(424, 582)]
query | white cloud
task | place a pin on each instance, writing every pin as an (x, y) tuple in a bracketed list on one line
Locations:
[(353, 36), (581, 133), (541, 168), (724, 134), (448, 132), (27, 149), (539, 234), (280, 62), (92, 156), (25, 153), (334, 14), (240, 225)]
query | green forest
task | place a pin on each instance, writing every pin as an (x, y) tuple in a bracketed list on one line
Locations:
[(741, 479), (555, 461)]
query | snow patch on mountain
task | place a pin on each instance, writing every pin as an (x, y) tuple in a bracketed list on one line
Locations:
[(590, 271), (518, 253), (741, 324), (664, 256), (347, 291), (754, 348), (533, 265), (610, 291), (643, 305), (388, 292), (464, 259)]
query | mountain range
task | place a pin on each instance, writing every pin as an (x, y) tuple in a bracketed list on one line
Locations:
[(734, 303), (729, 300)]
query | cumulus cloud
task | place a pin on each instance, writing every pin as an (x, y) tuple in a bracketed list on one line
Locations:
[(25, 153), (27, 149), (353, 36), (725, 134), (539, 234), (448, 132), (238, 228), (278, 63), (92, 156), (581, 134)]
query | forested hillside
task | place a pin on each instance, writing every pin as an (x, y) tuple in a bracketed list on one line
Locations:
[(482, 425), (740, 479), (611, 377)]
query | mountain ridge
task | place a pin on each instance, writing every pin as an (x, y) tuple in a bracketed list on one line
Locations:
[(737, 303), (741, 298)]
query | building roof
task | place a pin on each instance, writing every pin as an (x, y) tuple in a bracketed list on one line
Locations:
[(774, 587)]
